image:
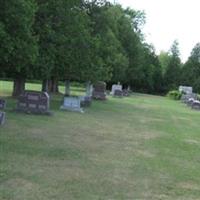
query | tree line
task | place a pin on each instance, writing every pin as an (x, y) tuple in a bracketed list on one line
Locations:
[(85, 41)]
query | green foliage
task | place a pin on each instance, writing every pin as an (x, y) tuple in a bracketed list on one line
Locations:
[(76, 40), (191, 69), (172, 75), (164, 59), (174, 94), (18, 48)]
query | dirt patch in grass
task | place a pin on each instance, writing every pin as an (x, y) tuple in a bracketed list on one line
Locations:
[(188, 186), (190, 141), (19, 183), (145, 153), (150, 119), (149, 135)]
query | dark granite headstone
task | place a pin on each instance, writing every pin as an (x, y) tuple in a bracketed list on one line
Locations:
[(2, 118), (196, 105), (2, 104), (99, 91), (86, 101), (118, 93), (126, 93), (190, 101), (33, 102)]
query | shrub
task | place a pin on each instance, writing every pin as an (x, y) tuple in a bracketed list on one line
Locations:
[(174, 94)]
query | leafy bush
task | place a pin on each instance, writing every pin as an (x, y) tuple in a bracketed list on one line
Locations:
[(174, 94)]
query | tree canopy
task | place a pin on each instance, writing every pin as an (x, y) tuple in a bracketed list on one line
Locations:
[(86, 40)]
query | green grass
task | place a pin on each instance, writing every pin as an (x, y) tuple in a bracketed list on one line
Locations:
[(137, 148)]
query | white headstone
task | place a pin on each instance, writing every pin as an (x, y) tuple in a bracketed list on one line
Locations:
[(72, 104), (116, 87), (185, 89)]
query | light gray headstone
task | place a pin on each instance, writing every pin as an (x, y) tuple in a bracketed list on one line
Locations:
[(186, 89), (115, 87), (72, 104)]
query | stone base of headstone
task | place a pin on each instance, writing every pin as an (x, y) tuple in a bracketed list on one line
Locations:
[(72, 104), (2, 118), (33, 112)]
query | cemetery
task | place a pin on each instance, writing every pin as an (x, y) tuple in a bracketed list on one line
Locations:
[(70, 146), (94, 106)]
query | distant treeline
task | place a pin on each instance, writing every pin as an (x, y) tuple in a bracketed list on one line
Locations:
[(82, 40)]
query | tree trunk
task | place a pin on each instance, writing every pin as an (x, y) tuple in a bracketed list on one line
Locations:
[(88, 89), (45, 85), (53, 85), (18, 87), (67, 88)]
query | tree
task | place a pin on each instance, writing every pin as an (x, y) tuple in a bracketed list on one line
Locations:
[(18, 41), (173, 70), (191, 69), (130, 38), (54, 25), (164, 59), (153, 79)]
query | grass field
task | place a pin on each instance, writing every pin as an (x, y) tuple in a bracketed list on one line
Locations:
[(138, 148)]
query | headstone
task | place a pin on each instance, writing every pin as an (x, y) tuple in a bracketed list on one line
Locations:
[(126, 92), (33, 102), (185, 89), (196, 105), (2, 104), (85, 101), (118, 93), (185, 97), (99, 91), (72, 103), (190, 101), (115, 87), (2, 118)]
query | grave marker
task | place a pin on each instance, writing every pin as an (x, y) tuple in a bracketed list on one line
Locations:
[(185, 89), (72, 103), (2, 104), (33, 102), (2, 118), (99, 91), (116, 87)]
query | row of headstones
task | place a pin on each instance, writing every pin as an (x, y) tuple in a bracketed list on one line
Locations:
[(189, 98), (97, 92), (38, 102)]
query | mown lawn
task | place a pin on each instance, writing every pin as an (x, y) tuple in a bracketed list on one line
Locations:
[(138, 148)]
